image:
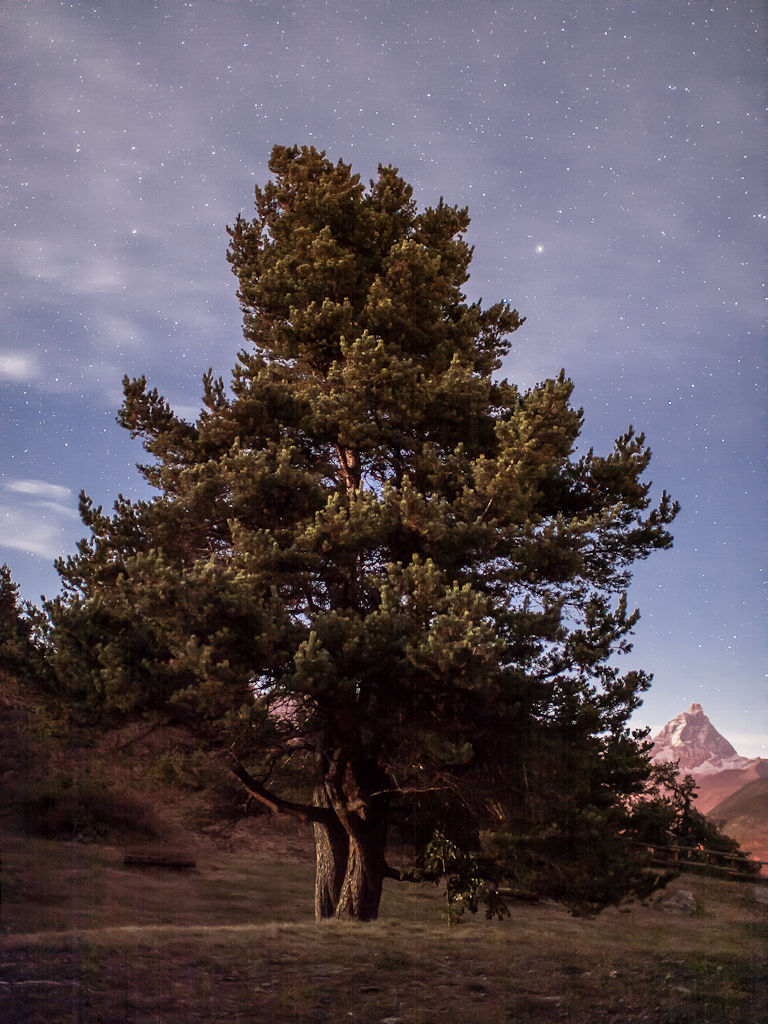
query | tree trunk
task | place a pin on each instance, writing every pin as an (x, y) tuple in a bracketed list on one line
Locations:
[(358, 791), (366, 870), (349, 844), (331, 853), (360, 893)]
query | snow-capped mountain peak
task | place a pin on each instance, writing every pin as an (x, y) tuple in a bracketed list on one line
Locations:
[(691, 739)]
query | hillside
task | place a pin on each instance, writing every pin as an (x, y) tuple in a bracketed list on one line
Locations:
[(713, 789), (745, 817)]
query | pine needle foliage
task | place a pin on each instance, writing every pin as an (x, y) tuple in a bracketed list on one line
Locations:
[(371, 557)]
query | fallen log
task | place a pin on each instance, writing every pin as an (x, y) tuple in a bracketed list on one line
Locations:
[(519, 894), (159, 860)]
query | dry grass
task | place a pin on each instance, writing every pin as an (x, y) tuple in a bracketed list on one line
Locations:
[(88, 940)]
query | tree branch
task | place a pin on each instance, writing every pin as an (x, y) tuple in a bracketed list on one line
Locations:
[(304, 812)]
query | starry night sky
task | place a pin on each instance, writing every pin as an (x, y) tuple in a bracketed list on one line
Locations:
[(610, 154)]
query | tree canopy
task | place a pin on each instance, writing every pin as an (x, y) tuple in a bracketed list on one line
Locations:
[(371, 556)]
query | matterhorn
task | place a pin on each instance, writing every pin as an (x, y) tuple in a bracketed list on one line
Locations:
[(691, 739)]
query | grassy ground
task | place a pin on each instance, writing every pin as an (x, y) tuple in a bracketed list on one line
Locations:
[(87, 940)]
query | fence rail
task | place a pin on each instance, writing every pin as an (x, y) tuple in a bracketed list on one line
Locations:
[(697, 856)]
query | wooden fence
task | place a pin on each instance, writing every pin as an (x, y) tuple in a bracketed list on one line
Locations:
[(697, 858)]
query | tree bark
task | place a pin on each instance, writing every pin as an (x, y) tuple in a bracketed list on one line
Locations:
[(349, 467), (362, 806), (331, 853), (360, 894)]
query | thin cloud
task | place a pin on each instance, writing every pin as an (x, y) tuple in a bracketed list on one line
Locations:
[(36, 517), (15, 366), (39, 489)]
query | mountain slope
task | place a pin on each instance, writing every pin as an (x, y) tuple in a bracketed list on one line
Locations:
[(713, 789), (745, 814)]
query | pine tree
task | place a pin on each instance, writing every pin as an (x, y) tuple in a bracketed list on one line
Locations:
[(370, 556), (19, 623)]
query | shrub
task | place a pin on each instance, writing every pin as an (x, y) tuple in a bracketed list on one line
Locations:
[(73, 806)]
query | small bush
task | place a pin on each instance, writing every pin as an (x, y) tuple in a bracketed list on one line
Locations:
[(70, 806)]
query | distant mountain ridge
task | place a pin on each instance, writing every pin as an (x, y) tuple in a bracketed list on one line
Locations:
[(718, 787), (691, 739), (731, 789)]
